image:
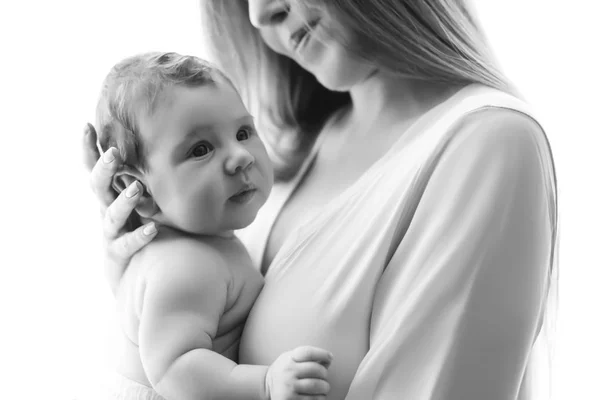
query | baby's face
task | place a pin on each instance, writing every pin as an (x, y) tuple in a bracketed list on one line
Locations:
[(208, 171)]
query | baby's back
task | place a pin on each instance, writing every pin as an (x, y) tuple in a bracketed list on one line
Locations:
[(241, 281)]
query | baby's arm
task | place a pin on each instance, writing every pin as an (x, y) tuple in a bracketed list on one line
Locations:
[(184, 298)]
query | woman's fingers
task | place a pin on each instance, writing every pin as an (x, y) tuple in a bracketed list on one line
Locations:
[(117, 212), (90, 150), (126, 245), (120, 251), (102, 176)]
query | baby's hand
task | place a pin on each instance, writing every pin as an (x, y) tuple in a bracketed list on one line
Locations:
[(298, 374)]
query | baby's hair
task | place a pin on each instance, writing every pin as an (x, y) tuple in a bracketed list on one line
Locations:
[(133, 88)]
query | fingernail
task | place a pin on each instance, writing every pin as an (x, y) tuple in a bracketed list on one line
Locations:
[(330, 356), (149, 229), (109, 156), (132, 190)]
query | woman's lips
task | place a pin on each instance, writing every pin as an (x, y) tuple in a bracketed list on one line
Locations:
[(301, 36), (297, 37)]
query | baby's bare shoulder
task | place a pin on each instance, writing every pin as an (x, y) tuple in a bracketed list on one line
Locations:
[(181, 262)]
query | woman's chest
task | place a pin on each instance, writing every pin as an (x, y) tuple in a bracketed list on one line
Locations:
[(290, 313), (319, 290), (338, 165)]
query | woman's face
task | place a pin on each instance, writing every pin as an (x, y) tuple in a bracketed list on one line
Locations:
[(296, 31)]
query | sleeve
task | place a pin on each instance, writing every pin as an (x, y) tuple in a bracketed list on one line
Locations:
[(458, 308)]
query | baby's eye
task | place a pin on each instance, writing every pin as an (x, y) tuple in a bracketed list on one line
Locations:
[(243, 134), (201, 149)]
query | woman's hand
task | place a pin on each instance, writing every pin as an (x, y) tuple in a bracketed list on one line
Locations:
[(123, 235)]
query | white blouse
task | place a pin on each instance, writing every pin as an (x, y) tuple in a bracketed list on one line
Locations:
[(428, 277)]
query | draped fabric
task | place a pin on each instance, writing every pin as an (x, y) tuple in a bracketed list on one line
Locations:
[(428, 277)]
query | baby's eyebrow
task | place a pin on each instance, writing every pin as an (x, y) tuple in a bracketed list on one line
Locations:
[(198, 129), (211, 128), (245, 118)]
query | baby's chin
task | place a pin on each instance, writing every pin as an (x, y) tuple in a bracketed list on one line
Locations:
[(242, 222), (222, 230)]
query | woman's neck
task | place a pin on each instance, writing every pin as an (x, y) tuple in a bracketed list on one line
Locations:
[(382, 96)]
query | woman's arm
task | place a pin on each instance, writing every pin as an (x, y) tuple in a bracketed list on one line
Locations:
[(123, 235), (460, 304)]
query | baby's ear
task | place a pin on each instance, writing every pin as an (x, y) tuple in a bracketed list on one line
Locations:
[(147, 207)]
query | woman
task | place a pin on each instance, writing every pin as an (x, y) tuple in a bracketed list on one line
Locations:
[(412, 229)]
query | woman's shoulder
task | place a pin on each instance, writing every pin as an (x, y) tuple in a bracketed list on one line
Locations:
[(494, 157), (479, 118), (499, 148), (484, 115), (495, 128), (487, 145)]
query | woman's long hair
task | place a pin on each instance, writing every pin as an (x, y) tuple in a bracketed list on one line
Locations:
[(433, 40)]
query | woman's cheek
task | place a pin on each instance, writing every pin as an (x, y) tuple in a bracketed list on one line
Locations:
[(274, 41)]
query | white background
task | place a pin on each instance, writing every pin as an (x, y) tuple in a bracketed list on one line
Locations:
[(55, 308)]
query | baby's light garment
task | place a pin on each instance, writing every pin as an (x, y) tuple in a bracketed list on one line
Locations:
[(396, 287), (123, 388)]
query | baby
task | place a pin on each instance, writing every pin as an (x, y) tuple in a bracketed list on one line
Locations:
[(185, 135)]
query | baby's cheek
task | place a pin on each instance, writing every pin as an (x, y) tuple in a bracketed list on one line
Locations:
[(202, 211), (177, 205)]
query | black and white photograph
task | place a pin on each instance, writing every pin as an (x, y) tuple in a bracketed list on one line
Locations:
[(301, 200)]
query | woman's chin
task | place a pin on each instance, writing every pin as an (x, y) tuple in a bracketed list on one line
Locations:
[(334, 83), (343, 81)]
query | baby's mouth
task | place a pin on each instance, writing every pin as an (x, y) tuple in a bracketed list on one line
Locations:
[(244, 195)]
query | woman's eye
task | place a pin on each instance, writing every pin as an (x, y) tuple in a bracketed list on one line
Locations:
[(201, 150), (243, 134)]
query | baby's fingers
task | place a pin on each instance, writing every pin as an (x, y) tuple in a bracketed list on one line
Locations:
[(310, 353), (311, 369), (311, 397), (311, 387)]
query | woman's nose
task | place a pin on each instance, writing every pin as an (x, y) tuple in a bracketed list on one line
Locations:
[(238, 160), (267, 12)]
